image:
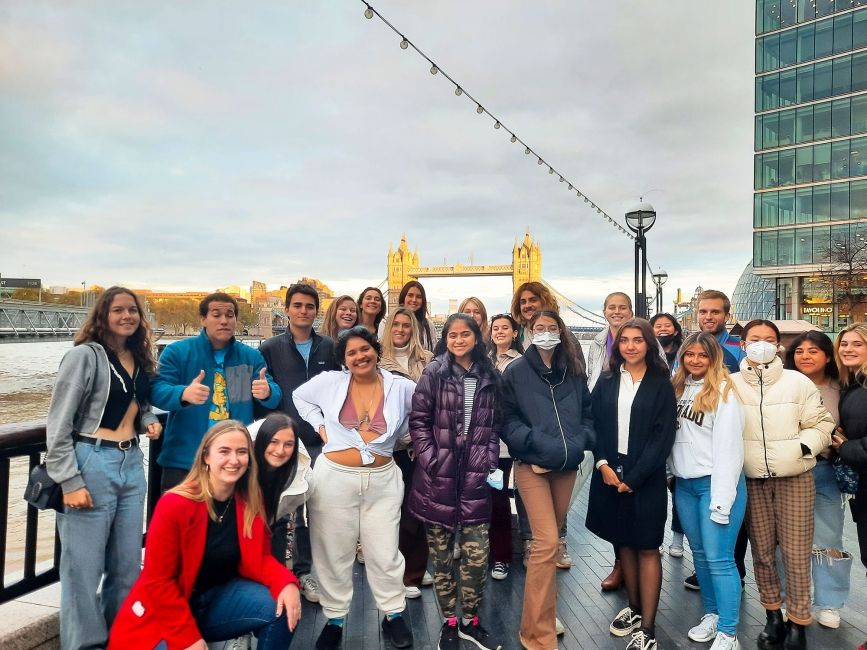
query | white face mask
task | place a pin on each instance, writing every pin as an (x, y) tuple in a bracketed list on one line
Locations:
[(546, 340), (761, 351)]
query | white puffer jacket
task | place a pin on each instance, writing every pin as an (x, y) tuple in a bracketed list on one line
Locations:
[(783, 411)]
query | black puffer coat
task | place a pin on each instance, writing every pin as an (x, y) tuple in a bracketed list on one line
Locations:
[(853, 420), (547, 412), (449, 486)]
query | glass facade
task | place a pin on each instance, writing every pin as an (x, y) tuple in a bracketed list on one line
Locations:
[(753, 296), (810, 141)]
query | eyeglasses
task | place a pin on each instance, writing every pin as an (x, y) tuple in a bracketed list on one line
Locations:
[(553, 329), (353, 331)]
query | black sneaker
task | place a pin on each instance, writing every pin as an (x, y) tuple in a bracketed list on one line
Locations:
[(625, 622), (397, 631), (477, 634), (692, 583), (449, 635), (330, 637)]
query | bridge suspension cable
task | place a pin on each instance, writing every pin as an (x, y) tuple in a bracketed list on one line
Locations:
[(575, 308)]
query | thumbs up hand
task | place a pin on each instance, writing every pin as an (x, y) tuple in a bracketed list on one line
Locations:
[(261, 387), (196, 393)]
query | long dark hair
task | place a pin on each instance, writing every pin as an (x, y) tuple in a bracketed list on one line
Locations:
[(272, 481), (378, 319), (478, 355), (655, 364), (821, 341), (515, 344), (421, 312), (95, 328), (566, 350)]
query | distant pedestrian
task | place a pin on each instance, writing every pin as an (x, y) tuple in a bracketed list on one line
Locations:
[(99, 407), (548, 428), (634, 411), (454, 425)]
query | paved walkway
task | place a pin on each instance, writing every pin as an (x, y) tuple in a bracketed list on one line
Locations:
[(584, 609)]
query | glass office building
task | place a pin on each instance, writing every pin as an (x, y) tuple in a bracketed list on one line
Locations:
[(810, 171)]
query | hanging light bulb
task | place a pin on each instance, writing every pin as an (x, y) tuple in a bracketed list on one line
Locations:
[(458, 91), (479, 109), (497, 124), (539, 162), (550, 170), (561, 179), (570, 187), (368, 13), (434, 69), (404, 43), (514, 138), (527, 151)]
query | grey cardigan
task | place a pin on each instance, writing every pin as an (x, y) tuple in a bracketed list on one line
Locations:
[(77, 404)]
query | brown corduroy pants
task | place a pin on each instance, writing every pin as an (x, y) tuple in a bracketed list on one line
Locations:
[(780, 512)]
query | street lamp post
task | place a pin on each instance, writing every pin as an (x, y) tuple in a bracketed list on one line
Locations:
[(83, 284), (639, 220), (659, 278)]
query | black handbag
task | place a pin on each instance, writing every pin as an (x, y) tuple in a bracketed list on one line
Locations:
[(42, 492)]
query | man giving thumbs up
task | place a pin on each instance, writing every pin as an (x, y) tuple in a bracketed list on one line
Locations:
[(204, 379)]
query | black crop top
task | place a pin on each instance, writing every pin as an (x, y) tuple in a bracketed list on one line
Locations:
[(122, 390)]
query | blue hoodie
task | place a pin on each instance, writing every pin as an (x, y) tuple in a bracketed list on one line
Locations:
[(180, 363), (732, 351)]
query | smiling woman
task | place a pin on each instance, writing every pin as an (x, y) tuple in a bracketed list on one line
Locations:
[(356, 489)]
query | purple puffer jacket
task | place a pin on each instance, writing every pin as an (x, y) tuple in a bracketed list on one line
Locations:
[(449, 485)]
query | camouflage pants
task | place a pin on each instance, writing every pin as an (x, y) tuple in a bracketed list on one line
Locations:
[(473, 567)]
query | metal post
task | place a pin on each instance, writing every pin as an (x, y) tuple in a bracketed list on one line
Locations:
[(638, 297)]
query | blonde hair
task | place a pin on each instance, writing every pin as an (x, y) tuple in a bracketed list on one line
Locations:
[(717, 381), (329, 320), (416, 350), (484, 326), (846, 374), (196, 486)]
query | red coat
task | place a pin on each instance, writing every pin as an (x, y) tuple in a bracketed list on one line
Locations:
[(157, 607)]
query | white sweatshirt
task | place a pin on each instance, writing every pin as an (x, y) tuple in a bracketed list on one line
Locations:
[(710, 444)]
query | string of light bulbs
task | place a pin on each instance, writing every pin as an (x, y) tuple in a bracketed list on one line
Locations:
[(405, 43)]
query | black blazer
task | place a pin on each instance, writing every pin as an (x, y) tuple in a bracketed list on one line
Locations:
[(652, 425)]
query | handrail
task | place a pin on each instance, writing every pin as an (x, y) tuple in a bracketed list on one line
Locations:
[(27, 439)]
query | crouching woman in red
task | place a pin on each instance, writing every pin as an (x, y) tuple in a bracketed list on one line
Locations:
[(208, 573)]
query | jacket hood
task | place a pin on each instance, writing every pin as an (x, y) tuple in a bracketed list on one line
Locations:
[(557, 370), (294, 493)]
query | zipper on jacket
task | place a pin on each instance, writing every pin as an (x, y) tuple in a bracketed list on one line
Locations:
[(762, 422), (560, 424)]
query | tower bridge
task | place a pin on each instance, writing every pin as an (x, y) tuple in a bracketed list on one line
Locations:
[(405, 265)]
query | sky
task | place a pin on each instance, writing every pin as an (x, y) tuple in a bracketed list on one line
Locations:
[(197, 144)]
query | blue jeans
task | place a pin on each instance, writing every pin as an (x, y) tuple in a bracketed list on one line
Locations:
[(830, 574), (237, 607), (713, 548), (102, 543)]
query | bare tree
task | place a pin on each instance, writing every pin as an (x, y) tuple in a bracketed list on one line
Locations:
[(845, 269)]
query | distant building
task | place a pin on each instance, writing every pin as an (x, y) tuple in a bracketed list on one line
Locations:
[(753, 297), (257, 291), (453, 305)]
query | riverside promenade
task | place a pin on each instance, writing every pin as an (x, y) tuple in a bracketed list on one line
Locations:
[(583, 608)]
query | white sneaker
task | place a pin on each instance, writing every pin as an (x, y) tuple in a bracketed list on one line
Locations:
[(309, 588), (640, 641), (426, 579), (558, 625), (412, 591), (675, 551), (829, 618), (725, 641), (706, 629)]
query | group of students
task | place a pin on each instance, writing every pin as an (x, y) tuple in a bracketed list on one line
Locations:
[(375, 441)]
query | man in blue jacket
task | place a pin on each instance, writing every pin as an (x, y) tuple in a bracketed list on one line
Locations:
[(205, 379), (714, 308)]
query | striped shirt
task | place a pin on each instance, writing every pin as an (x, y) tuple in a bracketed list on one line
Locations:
[(469, 394)]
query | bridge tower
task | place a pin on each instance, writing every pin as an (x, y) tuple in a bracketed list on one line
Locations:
[(401, 264), (526, 261)]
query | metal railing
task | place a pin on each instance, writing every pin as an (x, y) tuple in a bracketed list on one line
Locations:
[(27, 440)]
